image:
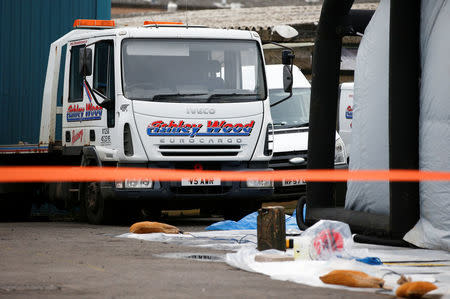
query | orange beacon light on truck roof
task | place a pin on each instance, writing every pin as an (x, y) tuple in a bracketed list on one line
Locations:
[(161, 23), (83, 23)]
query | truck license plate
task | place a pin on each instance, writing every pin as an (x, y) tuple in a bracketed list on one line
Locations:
[(200, 182), (293, 182)]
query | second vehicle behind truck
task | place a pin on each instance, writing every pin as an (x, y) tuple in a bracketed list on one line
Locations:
[(291, 122)]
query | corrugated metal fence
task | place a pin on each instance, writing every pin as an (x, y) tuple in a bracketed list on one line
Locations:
[(27, 27)]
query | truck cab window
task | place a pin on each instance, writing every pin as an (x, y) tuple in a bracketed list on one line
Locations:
[(75, 78), (192, 70), (104, 68), (104, 74)]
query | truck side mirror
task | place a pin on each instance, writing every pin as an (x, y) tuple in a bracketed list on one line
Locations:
[(287, 57), (287, 78), (85, 62)]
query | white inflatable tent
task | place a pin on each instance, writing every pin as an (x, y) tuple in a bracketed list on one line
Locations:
[(393, 126), (370, 124)]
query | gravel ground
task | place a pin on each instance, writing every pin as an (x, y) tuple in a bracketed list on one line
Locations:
[(68, 260)]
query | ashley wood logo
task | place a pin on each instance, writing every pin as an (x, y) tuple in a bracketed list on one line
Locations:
[(80, 113), (213, 128)]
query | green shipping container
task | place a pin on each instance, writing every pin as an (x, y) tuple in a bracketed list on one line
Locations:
[(27, 28)]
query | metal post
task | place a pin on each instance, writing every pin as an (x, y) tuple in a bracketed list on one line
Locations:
[(324, 97), (404, 74)]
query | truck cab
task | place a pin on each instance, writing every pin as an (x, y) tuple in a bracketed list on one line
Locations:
[(163, 96), (291, 125)]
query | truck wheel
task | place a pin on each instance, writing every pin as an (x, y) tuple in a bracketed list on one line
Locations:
[(97, 211)]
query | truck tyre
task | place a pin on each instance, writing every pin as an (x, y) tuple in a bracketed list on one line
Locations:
[(97, 210), (94, 206)]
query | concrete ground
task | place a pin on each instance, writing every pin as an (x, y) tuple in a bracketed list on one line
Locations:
[(68, 260)]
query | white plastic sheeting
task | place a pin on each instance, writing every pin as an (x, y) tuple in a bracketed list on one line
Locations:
[(308, 272), (243, 243), (370, 140), (221, 240), (433, 228)]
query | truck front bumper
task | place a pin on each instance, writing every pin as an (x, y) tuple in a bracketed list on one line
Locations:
[(285, 192), (176, 194)]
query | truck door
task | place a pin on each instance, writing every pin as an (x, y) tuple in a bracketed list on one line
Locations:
[(103, 83), (74, 100), (104, 75), (84, 121)]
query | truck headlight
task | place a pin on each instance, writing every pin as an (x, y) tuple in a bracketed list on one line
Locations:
[(339, 152), (134, 184), (251, 183)]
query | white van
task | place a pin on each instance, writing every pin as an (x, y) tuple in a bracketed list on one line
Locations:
[(345, 116), (291, 120)]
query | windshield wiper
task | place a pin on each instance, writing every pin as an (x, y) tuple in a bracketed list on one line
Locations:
[(225, 95), (286, 126), (175, 95), (298, 126)]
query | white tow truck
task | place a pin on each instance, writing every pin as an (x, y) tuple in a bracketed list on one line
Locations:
[(160, 96)]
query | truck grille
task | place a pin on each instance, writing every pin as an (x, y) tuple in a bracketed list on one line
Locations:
[(205, 190), (289, 190), (280, 161), (199, 150)]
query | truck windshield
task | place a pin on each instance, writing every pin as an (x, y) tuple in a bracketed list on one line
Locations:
[(192, 70), (294, 112)]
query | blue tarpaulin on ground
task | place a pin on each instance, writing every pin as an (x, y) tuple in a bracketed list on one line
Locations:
[(249, 222)]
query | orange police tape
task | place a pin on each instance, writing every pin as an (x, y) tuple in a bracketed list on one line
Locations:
[(16, 174)]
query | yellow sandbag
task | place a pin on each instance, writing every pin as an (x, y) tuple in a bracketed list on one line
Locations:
[(415, 289), (147, 227), (350, 278)]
